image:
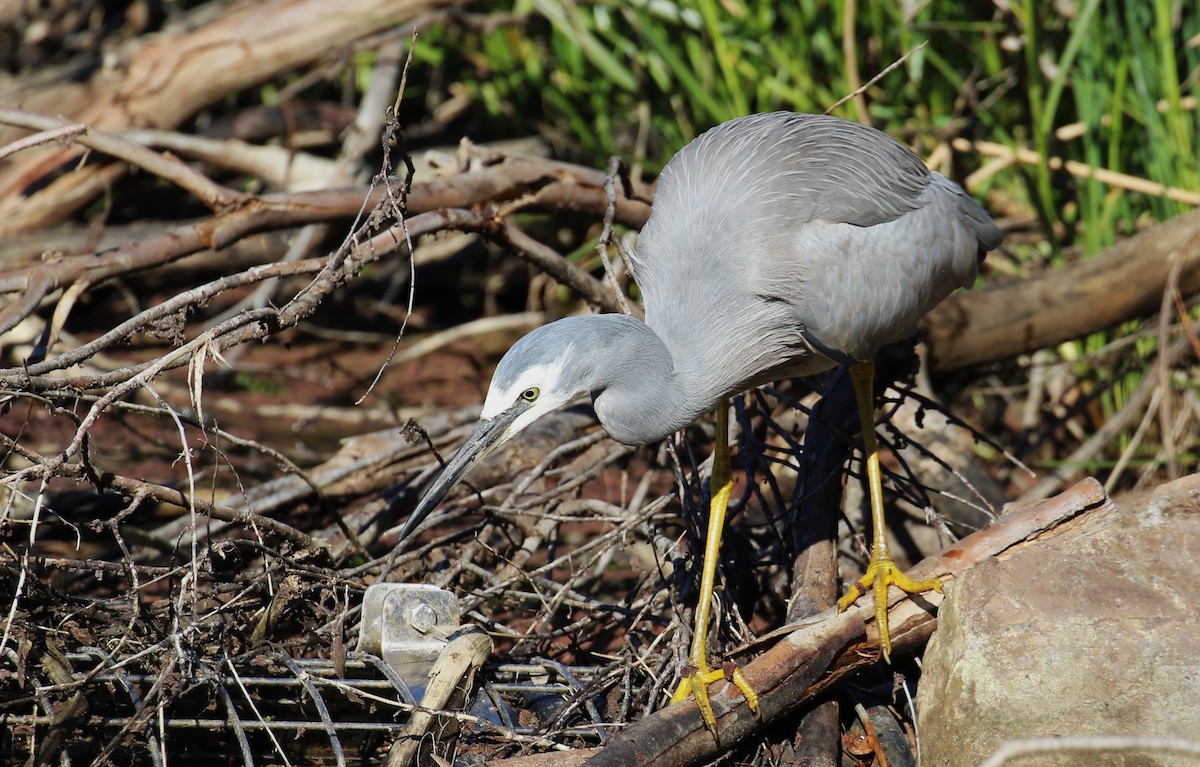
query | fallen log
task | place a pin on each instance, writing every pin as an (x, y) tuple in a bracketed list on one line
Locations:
[(1004, 319)]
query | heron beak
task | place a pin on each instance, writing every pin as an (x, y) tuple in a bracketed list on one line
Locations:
[(488, 433)]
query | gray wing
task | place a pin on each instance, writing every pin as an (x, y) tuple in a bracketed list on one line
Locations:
[(797, 166), (783, 224)]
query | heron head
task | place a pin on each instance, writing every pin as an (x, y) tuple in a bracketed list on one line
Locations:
[(538, 375)]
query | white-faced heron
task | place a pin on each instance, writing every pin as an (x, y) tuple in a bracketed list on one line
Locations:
[(778, 245)]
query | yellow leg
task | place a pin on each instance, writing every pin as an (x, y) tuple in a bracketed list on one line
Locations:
[(698, 675), (882, 571)]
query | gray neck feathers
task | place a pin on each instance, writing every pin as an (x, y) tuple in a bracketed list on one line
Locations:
[(637, 392)]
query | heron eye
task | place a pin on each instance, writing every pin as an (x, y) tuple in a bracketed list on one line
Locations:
[(531, 394)]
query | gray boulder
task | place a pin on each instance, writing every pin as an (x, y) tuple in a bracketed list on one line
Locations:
[(1093, 632)]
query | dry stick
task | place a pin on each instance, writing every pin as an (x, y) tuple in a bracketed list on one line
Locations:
[(177, 304), (1191, 409), (920, 463), (552, 262), (261, 323), (1076, 129), (513, 575), (455, 667), (64, 721), (485, 220), (1134, 442), (274, 165), (816, 655), (581, 575), (1104, 436), (1166, 407), (505, 323), (174, 358), (363, 136), (254, 709), (599, 544), (33, 526), (1039, 365), (1177, 432), (875, 79), (189, 466), (166, 167), (239, 517), (100, 566), (532, 542), (615, 169), (34, 286), (152, 702), (167, 77), (398, 201), (1077, 169), (872, 735), (300, 485), (44, 137), (48, 206), (1186, 321), (558, 186)]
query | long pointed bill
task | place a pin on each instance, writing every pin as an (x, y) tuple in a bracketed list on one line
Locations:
[(488, 433)]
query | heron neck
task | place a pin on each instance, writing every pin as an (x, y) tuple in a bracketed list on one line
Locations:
[(643, 397)]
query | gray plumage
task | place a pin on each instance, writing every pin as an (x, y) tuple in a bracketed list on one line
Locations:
[(796, 233), (778, 245)]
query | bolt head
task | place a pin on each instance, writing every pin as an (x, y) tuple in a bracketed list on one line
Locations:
[(423, 618)]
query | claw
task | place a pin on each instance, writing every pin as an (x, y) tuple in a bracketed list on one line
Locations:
[(880, 574), (695, 684)]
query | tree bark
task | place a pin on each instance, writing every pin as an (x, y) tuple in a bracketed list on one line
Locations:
[(1004, 319)]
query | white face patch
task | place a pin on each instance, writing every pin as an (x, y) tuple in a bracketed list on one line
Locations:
[(544, 377)]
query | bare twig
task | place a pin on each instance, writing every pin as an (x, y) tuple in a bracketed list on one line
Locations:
[(169, 168)]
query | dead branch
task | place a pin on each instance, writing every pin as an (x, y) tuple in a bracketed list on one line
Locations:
[(532, 180), (169, 168), (253, 324), (1004, 319), (573, 758), (992, 323), (165, 78)]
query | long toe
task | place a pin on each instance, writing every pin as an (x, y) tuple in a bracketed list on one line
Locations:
[(882, 573), (695, 685)]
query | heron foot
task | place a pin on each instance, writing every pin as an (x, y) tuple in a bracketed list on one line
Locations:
[(880, 574), (695, 684)]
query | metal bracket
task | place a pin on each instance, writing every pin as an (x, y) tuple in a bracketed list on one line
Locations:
[(406, 624)]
